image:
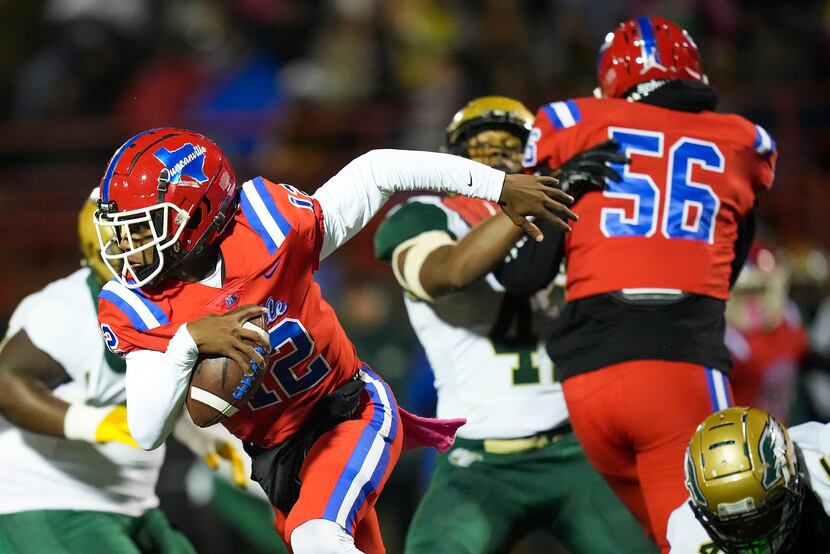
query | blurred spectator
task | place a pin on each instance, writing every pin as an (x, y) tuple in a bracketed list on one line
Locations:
[(92, 44), (343, 65), (810, 276), (776, 367), (765, 335)]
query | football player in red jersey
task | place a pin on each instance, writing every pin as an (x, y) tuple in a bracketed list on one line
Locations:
[(764, 334), (649, 264), (200, 255)]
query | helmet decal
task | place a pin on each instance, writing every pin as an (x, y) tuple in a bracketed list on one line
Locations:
[(772, 448), (642, 50), (648, 45), (749, 476), (182, 219), (187, 160)]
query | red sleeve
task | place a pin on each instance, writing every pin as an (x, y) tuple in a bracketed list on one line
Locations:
[(558, 132), (766, 171), (120, 333), (302, 212), (541, 143), (764, 154)]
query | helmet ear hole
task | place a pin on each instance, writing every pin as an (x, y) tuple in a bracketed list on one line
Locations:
[(198, 214)]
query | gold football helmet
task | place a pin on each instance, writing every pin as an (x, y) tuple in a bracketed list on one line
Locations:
[(487, 113), (743, 476), (88, 240)]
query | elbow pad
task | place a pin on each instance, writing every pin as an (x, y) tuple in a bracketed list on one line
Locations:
[(417, 249)]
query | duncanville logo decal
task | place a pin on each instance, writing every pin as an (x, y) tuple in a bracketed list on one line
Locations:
[(187, 161)]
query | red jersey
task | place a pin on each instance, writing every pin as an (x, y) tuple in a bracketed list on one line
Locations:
[(268, 256), (672, 221), (765, 364)]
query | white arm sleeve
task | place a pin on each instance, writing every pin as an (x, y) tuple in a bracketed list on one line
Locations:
[(356, 193), (156, 387)]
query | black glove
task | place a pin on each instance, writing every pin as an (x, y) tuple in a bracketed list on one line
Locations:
[(587, 170)]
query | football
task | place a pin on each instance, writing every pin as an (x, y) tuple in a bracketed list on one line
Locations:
[(219, 386)]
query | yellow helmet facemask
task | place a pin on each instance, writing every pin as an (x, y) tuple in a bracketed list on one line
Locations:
[(88, 240), (743, 477), (487, 113)]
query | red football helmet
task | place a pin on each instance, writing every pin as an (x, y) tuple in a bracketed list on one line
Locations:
[(646, 49), (760, 294), (176, 182)]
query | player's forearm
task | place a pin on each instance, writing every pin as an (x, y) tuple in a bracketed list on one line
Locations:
[(26, 403), (471, 258), (156, 387), (532, 265), (27, 377), (357, 192)]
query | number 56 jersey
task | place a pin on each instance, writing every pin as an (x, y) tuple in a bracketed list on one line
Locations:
[(268, 257), (672, 221)]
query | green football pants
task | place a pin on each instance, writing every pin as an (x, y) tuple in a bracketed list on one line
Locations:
[(480, 503), (71, 532)]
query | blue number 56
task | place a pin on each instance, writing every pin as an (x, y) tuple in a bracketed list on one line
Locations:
[(689, 208)]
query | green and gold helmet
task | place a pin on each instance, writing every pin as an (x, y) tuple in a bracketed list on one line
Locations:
[(744, 480), (487, 113), (88, 240)]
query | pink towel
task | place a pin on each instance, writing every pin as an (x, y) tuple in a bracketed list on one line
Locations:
[(427, 431)]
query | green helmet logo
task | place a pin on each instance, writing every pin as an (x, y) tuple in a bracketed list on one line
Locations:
[(772, 449), (691, 481)]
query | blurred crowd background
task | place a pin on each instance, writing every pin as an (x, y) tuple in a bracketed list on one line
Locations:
[(294, 89)]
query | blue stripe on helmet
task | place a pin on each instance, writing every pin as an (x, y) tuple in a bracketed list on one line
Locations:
[(649, 47), (105, 183)]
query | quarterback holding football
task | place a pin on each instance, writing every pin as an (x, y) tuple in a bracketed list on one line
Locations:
[(202, 254)]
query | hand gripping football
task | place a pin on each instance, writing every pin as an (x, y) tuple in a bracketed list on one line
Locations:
[(219, 386)]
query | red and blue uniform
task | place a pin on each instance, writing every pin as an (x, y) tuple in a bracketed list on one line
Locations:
[(673, 219), (640, 344), (766, 364), (268, 257)]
